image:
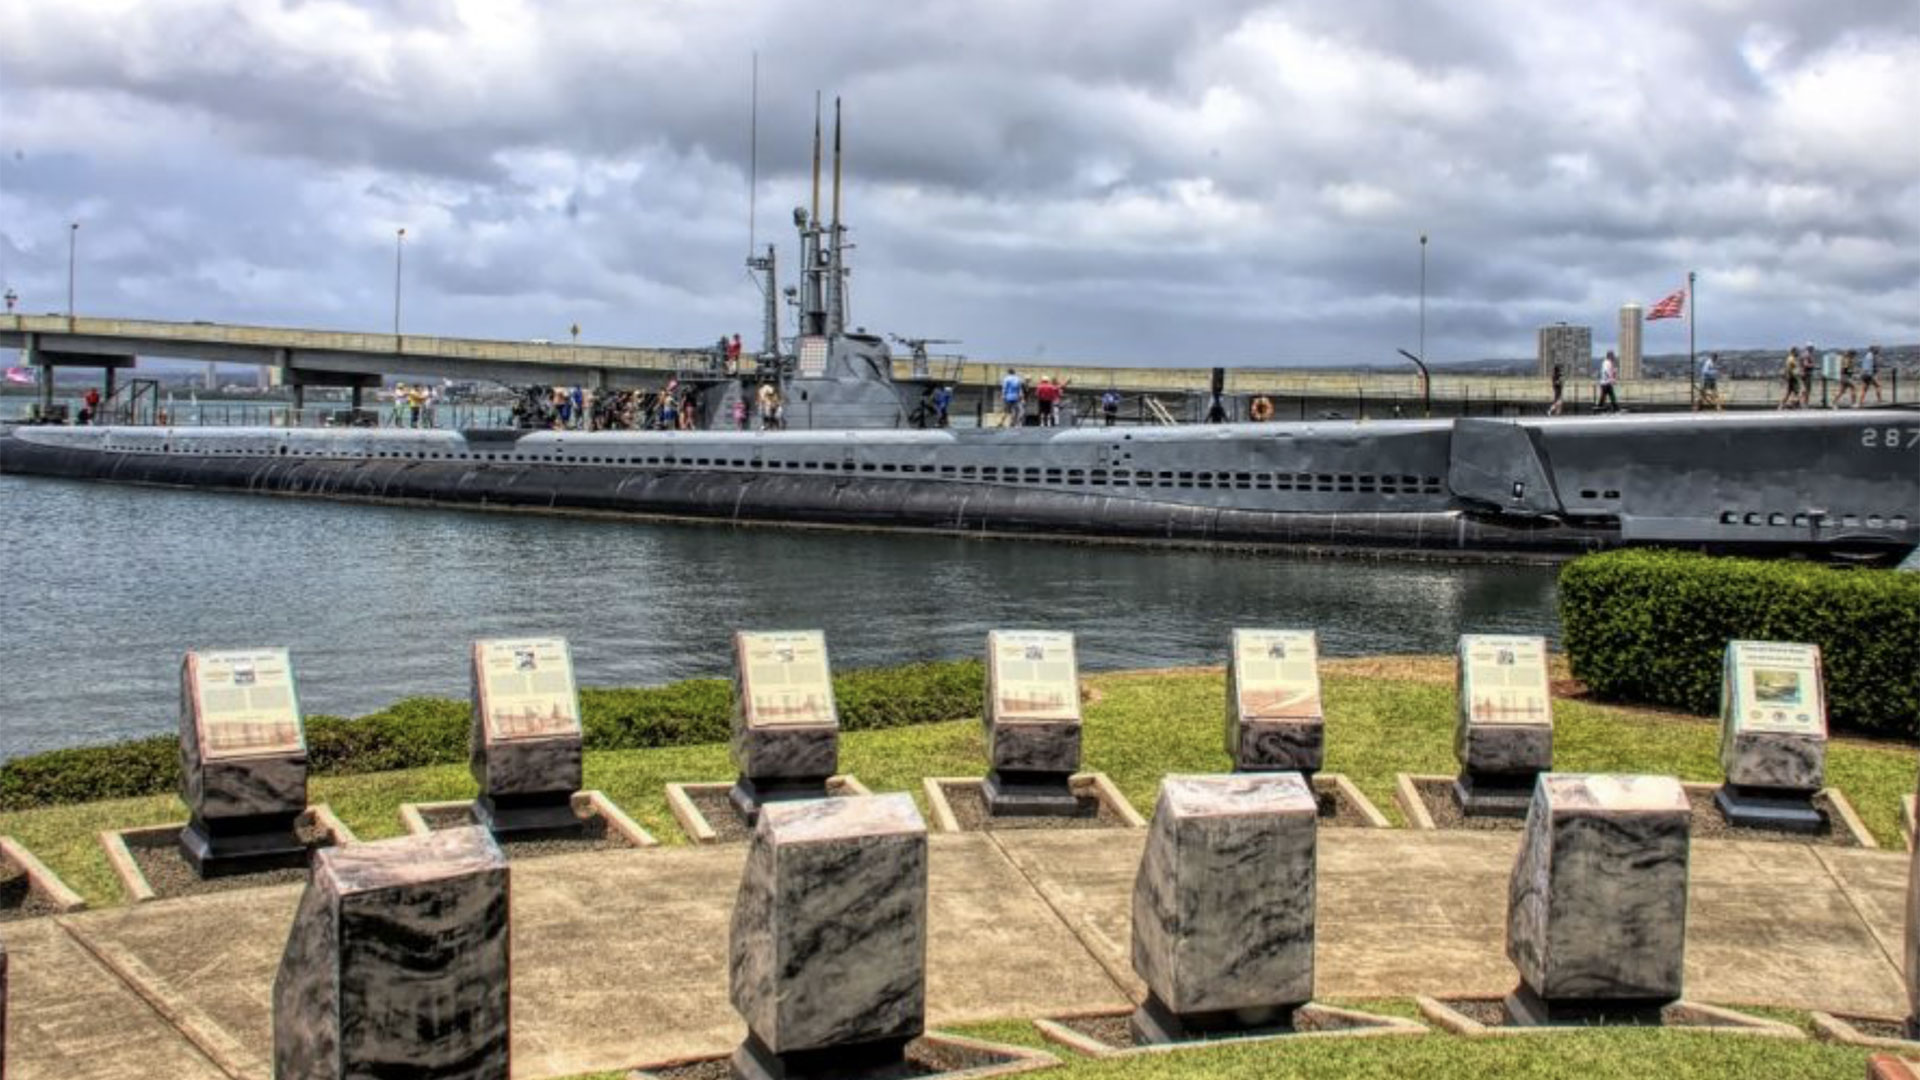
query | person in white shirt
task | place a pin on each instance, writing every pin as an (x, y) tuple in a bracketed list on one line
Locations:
[(1609, 370)]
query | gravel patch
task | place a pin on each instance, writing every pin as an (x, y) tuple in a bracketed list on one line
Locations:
[(1710, 824), (1337, 811), (168, 872), (18, 898), (1116, 1029), (1874, 1027), (716, 806), (1446, 813), (592, 834), (1492, 1012), (969, 804), (924, 1058)]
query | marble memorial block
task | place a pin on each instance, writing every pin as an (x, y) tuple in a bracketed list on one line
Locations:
[(1223, 904), (1597, 904), (1911, 968), (398, 963), (1274, 720), (243, 761), (524, 744), (1033, 723), (786, 728), (1773, 735), (828, 947), (1503, 736)]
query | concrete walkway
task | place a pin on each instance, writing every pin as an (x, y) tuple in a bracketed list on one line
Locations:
[(620, 957)]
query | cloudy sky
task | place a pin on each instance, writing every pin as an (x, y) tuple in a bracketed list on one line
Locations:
[(1129, 181)]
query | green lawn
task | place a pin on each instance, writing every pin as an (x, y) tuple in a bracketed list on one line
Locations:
[(1140, 727)]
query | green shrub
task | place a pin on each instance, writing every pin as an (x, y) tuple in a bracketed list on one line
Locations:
[(1652, 626), (431, 731)]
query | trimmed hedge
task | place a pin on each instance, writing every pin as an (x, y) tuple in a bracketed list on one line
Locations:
[(1652, 626), (432, 731)]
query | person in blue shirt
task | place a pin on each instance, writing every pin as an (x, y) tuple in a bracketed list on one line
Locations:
[(1709, 383), (942, 400), (1110, 406), (1870, 376), (1012, 394)]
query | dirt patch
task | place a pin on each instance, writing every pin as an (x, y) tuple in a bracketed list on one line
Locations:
[(1444, 809), (18, 898), (1710, 824), (591, 835), (1116, 1029), (1337, 811), (1875, 1027), (169, 874), (729, 827), (968, 801), (1492, 1012), (924, 1058)]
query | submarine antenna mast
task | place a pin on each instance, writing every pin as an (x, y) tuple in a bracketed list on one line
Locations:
[(813, 313), (766, 265), (836, 269)]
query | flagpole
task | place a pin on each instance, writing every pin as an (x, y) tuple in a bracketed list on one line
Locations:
[(1691, 392)]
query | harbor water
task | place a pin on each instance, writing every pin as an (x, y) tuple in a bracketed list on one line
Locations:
[(106, 586)]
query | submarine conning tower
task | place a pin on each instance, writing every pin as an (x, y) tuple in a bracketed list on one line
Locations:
[(834, 377)]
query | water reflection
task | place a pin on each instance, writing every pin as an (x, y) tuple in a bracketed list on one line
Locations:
[(109, 585)]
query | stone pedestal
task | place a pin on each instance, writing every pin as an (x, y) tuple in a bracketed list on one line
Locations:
[(786, 728), (1223, 905), (1597, 904), (525, 741), (243, 762), (1503, 734), (828, 950), (1773, 735), (1274, 721), (397, 963), (1033, 724)]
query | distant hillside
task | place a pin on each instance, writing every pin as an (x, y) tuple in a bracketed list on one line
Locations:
[(1734, 363)]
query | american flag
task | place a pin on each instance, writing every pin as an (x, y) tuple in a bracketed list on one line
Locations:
[(20, 375), (1670, 308)]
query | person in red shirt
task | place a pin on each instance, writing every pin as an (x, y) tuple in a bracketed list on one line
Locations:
[(733, 354), (1048, 394), (91, 412)]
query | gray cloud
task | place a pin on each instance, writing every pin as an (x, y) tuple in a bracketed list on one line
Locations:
[(1214, 182)]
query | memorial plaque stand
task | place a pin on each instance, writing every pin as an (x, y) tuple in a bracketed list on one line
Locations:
[(243, 762), (524, 748), (828, 943), (1503, 736), (786, 728), (1033, 725), (1597, 902), (398, 963), (1773, 736), (1223, 906), (1274, 721)]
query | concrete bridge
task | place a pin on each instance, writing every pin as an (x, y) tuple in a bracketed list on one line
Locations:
[(360, 361)]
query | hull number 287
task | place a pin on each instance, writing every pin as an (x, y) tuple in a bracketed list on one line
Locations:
[(1892, 438)]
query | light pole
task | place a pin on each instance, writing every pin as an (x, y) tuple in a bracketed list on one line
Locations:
[(1423, 297), (12, 299), (399, 243), (73, 239)]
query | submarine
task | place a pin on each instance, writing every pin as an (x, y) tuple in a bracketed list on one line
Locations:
[(1841, 485)]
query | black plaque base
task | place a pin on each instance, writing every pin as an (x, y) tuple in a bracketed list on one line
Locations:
[(1769, 808), (223, 847), (1153, 1022), (526, 816), (749, 793), (1494, 794), (1913, 1028), (1032, 794), (754, 1061), (1529, 1009)]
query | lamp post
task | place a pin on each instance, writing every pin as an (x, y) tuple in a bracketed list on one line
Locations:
[(73, 239), (12, 299), (1423, 297), (399, 243)]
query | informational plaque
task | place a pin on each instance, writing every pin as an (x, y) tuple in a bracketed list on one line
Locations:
[(526, 688), (244, 703), (1504, 680), (784, 678), (1033, 676), (1773, 687), (1276, 674)]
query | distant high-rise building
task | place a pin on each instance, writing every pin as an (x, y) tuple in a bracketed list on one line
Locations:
[(269, 376), (1569, 346), (1630, 321), (211, 379)]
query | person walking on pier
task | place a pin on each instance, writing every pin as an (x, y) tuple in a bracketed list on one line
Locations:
[(1870, 376), (1609, 371), (1012, 393), (1790, 372), (1709, 383), (1807, 360), (1559, 391), (1847, 368)]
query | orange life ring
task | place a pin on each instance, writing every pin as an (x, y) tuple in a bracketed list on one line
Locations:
[(1262, 408)]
